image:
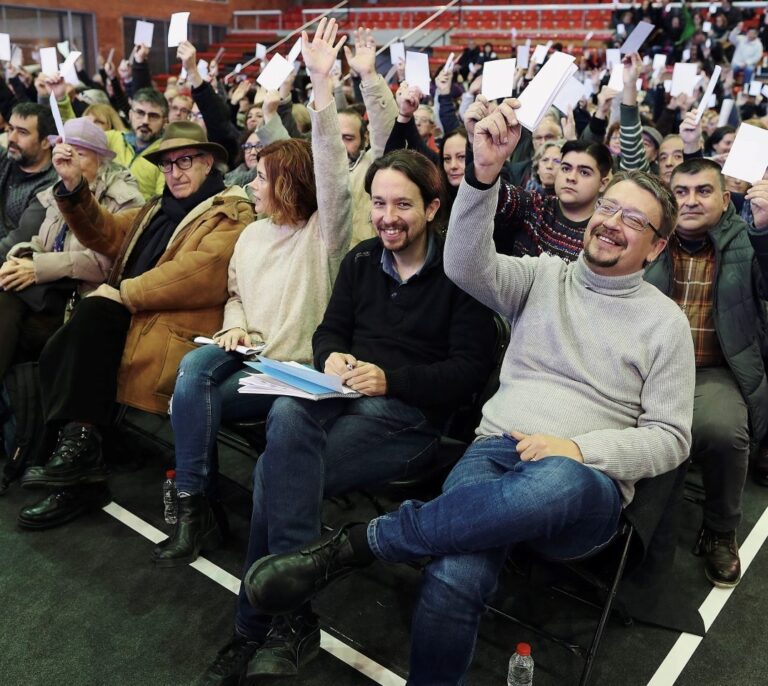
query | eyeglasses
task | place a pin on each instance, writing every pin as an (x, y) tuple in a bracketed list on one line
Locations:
[(182, 163), (251, 146), (152, 116), (631, 219)]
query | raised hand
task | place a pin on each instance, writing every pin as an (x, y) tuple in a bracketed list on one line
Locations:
[(363, 61), (443, 82), (269, 105), (321, 53), (407, 98), (758, 197), (495, 139), (140, 53), (66, 162), (604, 99), (477, 111), (690, 132), (187, 53)]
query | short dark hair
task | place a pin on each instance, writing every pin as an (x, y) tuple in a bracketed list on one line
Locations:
[(597, 151), (153, 97), (46, 126), (656, 187), (422, 172), (718, 134), (697, 165)]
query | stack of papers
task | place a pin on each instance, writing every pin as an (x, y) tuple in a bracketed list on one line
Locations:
[(293, 379), (243, 350), (538, 97)]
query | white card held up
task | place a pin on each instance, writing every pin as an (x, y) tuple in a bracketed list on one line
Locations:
[(706, 27), (569, 95), (57, 116), (261, 51), (49, 63), (764, 91), (202, 68), (448, 68), (537, 98), (5, 47), (636, 39), (621, 29), (612, 57), (684, 79), (754, 88), (67, 68), (417, 70), (686, 55), (397, 53), (667, 86), (704, 104), (144, 32), (499, 78), (616, 82), (63, 48), (539, 54), (295, 51), (278, 69), (177, 30), (748, 158), (110, 55), (523, 54), (17, 58), (659, 62)]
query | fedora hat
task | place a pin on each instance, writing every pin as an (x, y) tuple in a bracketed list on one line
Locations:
[(185, 134)]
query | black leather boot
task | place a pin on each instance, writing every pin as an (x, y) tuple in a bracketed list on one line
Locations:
[(76, 461), (197, 529)]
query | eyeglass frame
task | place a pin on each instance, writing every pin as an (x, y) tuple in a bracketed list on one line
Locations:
[(170, 163), (151, 116), (245, 147), (646, 225)]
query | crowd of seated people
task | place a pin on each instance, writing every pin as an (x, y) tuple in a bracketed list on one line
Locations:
[(374, 231)]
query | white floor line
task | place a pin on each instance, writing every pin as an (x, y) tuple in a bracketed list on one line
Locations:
[(370, 668), (681, 653)]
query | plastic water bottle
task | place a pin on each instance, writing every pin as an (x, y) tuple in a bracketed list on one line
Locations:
[(170, 498), (521, 667)]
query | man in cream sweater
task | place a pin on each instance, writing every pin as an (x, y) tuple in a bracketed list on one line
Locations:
[(596, 392)]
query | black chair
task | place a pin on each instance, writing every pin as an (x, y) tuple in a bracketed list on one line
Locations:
[(642, 538)]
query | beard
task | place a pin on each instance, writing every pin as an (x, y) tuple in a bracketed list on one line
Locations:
[(20, 157), (594, 258)]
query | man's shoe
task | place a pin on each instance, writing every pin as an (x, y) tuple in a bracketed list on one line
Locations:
[(63, 506), (721, 557), (292, 641), (760, 467), (281, 584), (230, 663), (76, 461), (196, 530)]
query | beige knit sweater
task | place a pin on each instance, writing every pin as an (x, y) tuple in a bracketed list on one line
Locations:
[(280, 277)]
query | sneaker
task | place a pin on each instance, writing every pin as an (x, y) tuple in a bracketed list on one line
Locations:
[(230, 663), (721, 557), (292, 642)]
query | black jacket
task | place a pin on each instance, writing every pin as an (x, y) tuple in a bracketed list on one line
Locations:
[(433, 341)]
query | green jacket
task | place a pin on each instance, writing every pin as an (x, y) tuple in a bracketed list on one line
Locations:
[(149, 177), (741, 272)]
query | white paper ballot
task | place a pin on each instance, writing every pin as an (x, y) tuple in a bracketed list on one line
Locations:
[(417, 70), (706, 26), (67, 68), (49, 63), (725, 112), (110, 55), (397, 53), (754, 87), (612, 57), (278, 69), (764, 91), (63, 48), (621, 29), (499, 78), (714, 7), (712, 102), (523, 53), (177, 30), (202, 68), (636, 39), (540, 54), (537, 98), (748, 158), (144, 32), (659, 62), (5, 47), (261, 51), (684, 79), (238, 68), (295, 51), (686, 55), (616, 82), (569, 95), (704, 104), (588, 37), (667, 86), (448, 68), (57, 116), (16, 56)]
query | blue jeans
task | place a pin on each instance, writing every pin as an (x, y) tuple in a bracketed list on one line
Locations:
[(206, 393), (491, 501), (317, 450)]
